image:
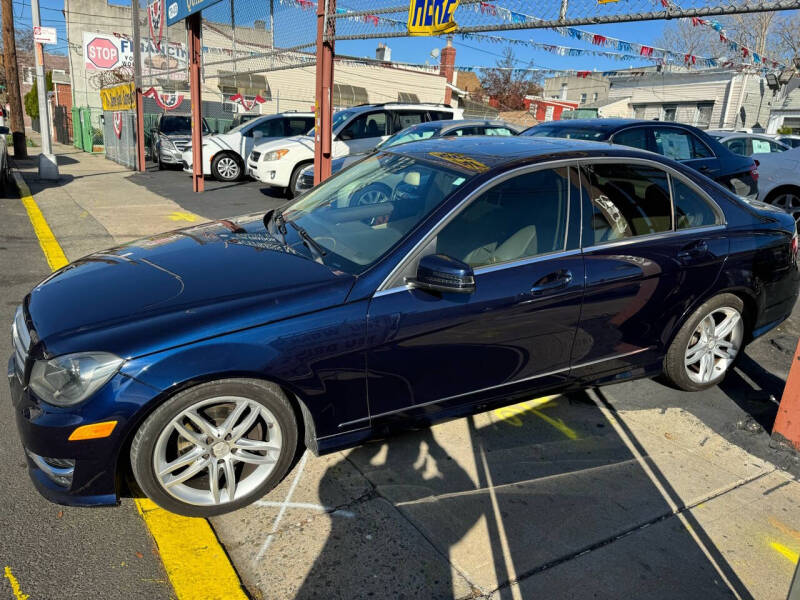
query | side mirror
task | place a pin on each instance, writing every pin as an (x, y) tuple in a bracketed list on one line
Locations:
[(440, 273)]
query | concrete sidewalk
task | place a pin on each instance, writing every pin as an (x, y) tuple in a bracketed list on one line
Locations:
[(632, 491)]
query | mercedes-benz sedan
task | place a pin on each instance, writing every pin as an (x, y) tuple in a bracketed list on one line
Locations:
[(497, 269)]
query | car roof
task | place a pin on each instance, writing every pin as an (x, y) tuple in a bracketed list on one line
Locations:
[(398, 106), (455, 124), (496, 151), (603, 124)]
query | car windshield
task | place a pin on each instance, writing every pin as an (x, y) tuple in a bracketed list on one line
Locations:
[(573, 133), (362, 212), (179, 125), (410, 134), (338, 119), (240, 126)]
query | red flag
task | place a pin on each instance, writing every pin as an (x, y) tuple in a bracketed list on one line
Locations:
[(599, 40), (583, 74), (646, 51)]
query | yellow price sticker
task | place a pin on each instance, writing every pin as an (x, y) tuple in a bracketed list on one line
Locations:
[(431, 17)]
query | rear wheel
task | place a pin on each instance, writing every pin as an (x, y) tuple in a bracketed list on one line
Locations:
[(215, 447), (788, 199), (707, 345), (226, 167), (293, 179)]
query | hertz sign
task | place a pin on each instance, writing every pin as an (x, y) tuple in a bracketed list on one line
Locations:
[(431, 17)]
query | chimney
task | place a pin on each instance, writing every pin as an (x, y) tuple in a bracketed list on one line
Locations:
[(383, 52), (447, 61), (259, 24)]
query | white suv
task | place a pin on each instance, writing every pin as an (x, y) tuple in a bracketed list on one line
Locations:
[(357, 129), (224, 154)]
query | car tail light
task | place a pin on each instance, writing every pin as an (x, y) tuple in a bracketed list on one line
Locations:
[(754, 171)]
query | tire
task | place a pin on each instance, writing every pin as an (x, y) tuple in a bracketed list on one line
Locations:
[(700, 356), (788, 198), (186, 460), (293, 179), (227, 167), (373, 193)]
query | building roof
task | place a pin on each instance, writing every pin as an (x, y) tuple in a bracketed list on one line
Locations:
[(467, 81), (606, 102)]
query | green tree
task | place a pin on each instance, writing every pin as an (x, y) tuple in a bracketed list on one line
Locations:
[(32, 97)]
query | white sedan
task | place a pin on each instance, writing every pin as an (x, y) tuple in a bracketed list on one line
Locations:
[(779, 179)]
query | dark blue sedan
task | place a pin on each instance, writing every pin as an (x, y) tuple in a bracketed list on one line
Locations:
[(498, 269)]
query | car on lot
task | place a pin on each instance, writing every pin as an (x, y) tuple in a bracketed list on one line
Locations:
[(355, 130), (683, 143), (421, 131), (793, 141), (747, 144), (502, 267), (224, 154), (170, 137), (779, 179)]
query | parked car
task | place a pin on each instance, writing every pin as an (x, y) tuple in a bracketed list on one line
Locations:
[(747, 144), (241, 118), (420, 131), (5, 167), (355, 130), (779, 180), (684, 143), (224, 154), (170, 137), (792, 141), (502, 268)]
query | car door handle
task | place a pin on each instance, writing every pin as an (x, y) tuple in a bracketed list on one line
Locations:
[(552, 282), (693, 250)]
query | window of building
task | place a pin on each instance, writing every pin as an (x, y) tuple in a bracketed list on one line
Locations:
[(624, 201), (594, 97), (583, 98), (518, 218), (564, 91), (691, 209), (28, 75), (703, 115), (669, 112), (639, 111)]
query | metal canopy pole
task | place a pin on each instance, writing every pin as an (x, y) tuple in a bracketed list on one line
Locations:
[(326, 29), (48, 168), (137, 82), (193, 25)]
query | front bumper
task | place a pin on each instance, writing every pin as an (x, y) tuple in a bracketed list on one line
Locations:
[(268, 172), (172, 157), (44, 431)]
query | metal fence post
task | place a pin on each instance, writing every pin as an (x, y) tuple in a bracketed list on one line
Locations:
[(323, 108), (786, 431), (194, 24)]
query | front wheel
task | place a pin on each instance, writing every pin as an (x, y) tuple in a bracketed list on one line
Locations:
[(215, 447), (226, 167), (707, 345)]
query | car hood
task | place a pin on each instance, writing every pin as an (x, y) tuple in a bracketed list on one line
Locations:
[(178, 287), (294, 142)]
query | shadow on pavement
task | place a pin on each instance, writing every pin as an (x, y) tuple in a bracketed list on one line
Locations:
[(536, 494)]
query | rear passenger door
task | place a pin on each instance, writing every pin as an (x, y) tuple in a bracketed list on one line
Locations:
[(407, 118), (646, 262)]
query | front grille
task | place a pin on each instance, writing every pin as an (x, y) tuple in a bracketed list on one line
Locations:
[(21, 341), (254, 156), (181, 146)]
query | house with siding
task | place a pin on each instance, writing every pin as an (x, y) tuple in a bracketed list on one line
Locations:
[(785, 111)]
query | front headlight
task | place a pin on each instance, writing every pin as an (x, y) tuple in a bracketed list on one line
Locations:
[(275, 154), (168, 144), (70, 379)]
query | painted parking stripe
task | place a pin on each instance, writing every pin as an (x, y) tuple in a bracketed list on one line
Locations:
[(196, 563)]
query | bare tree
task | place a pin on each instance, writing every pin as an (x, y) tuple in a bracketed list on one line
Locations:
[(787, 32), (508, 84), (753, 30), (683, 37)]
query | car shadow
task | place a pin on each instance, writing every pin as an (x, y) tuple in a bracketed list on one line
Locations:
[(546, 499)]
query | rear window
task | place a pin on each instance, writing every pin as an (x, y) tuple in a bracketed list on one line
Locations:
[(573, 133)]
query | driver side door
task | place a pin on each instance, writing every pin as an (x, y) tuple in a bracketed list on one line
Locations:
[(430, 351), (362, 133)]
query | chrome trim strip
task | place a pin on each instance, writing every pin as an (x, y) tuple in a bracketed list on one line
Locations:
[(492, 387), (654, 237), (526, 261)]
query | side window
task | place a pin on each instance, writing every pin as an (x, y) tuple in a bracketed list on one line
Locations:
[(678, 145), (738, 146), (624, 201), (498, 131), (440, 115), (407, 118), (510, 221), (464, 131), (691, 209), (370, 125), (298, 125), (635, 137), (773, 147), (268, 128)]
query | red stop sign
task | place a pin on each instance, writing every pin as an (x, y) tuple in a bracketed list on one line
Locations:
[(102, 53)]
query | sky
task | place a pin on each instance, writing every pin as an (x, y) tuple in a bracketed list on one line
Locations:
[(418, 50)]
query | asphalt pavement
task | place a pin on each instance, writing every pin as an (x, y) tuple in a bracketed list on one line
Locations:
[(56, 552)]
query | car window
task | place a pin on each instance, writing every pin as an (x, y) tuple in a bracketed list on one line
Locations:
[(440, 115), (518, 218), (623, 201), (498, 131), (566, 131), (691, 209), (370, 125), (407, 118), (298, 125), (635, 137), (678, 145), (268, 128), (738, 146), (464, 131)]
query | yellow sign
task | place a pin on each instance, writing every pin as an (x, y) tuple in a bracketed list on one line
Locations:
[(462, 160), (431, 17), (119, 97)]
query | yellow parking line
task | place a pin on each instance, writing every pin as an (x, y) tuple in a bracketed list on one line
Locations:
[(15, 589), (196, 563), (786, 552), (52, 251)]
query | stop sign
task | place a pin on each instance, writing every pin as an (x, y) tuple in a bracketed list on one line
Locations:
[(102, 53)]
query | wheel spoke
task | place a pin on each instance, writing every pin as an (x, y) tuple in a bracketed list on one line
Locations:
[(230, 479), (187, 434), (255, 445), (190, 472), (246, 424), (213, 480), (725, 328), (183, 460), (200, 422), (694, 353), (233, 418), (706, 366), (253, 459)]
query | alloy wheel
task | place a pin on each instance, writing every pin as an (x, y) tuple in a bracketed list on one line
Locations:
[(217, 450), (227, 168), (714, 345), (372, 196), (790, 203)]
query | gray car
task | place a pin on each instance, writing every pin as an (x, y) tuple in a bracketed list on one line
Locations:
[(421, 131), (171, 135)]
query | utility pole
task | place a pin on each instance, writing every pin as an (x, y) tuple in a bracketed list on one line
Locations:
[(16, 123), (323, 150), (137, 83), (48, 168)]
